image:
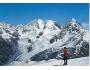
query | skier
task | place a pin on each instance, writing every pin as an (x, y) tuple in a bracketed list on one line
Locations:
[(65, 56)]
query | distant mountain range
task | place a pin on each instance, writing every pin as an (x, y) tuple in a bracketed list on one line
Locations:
[(42, 40)]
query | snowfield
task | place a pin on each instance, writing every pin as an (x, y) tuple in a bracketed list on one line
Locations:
[(84, 61)]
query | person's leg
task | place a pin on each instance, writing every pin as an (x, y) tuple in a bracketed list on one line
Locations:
[(66, 61)]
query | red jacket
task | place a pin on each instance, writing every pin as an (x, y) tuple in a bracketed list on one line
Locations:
[(65, 52)]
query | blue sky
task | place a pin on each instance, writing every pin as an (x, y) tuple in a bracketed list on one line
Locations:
[(22, 13)]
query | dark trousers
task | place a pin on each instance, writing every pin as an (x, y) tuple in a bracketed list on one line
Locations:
[(65, 60)]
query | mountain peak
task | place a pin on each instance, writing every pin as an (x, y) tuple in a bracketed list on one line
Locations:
[(73, 25), (4, 25), (41, 23), (38, 23), (40, 20), (50, 22), (73, 20)]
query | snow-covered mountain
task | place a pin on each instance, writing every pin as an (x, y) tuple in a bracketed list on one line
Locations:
[(43, 40)]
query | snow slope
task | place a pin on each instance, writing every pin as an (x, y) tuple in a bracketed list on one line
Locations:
[(84, 61)]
